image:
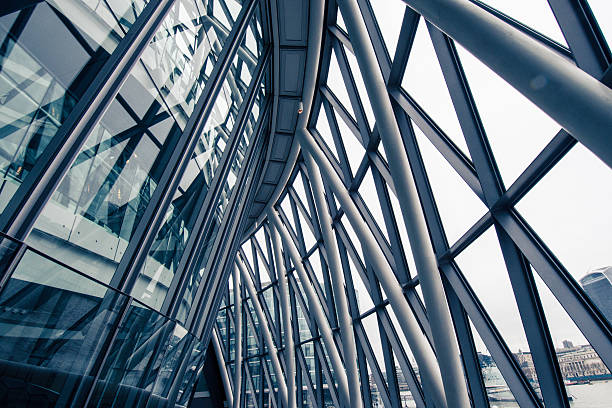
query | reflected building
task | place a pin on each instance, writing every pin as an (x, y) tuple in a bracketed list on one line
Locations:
[(340, 162)]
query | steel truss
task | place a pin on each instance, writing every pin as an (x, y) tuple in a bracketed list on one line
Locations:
[(294, 291)]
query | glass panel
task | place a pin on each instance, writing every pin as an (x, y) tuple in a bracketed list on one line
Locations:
[(54, 324), (180, 217), (516, 138), (49, 56), (577, 191), (457, 204), (389, 15), (424, 81), (128, 368), (93, 213)]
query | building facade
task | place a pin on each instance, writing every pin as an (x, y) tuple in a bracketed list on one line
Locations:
[(290, 203)]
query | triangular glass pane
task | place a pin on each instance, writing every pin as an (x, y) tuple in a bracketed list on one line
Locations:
[(569, 194), (335, 82), (535, 14), (369, 194), (286, 207), (516, 128), (424, 81), (306, 232), (324, 130), (361, 90), (298, 186), (340, 21), (389, 15), (353, 237), (353, 148), (362, 294), (483, 266), (459, 207)]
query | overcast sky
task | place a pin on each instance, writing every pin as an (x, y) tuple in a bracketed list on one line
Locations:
[(569, 208)]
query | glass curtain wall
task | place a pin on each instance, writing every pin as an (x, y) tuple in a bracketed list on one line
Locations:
[(82, 321), (516, 210)]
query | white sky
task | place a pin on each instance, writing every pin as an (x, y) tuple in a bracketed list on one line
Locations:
[(569, 208)]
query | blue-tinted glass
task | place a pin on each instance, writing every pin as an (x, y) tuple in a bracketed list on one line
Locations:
[(50, 53), (94, 211), (53, 323)]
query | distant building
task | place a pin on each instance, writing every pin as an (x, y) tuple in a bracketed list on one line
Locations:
[(567, 344), (526, 363), (581, 363), (598, 285)]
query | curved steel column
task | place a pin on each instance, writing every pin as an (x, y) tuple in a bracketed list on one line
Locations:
[(238, 338), (423, 353), (576, 100), (443, 330), (283, 289), (263, 326), (337, 277), (315, 307), (223, 368)]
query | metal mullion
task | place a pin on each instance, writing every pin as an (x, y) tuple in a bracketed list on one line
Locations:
[(320, 355), (126, 274), (309, 386), (536, 35), (534, 322), (582, 33), (342, 37), (403, 360), (451, 153), (524, 289), (381, 240), (30, 198), (554, 151), (467, 113), (300, 242), (337, 137), (271, 392), (331, 305), (404, 46), (376, 38), (378, 378), (493, 340), (302, 209), (351, 87), (397, 249), (236, 212), (317, 287), (469, 354), (435, 227), (328, 153), (571, 296), (344, 114)]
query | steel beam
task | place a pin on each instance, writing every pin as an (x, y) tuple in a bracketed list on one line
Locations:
[(337, 277), (283, 289), (264, 329), (444, 338), (576, 100), (426, 359), (223, 369), (36, 190), (315, 306), (238, 338)]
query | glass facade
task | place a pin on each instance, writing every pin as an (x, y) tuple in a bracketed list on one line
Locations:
[(86, 319), (435, 224)]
